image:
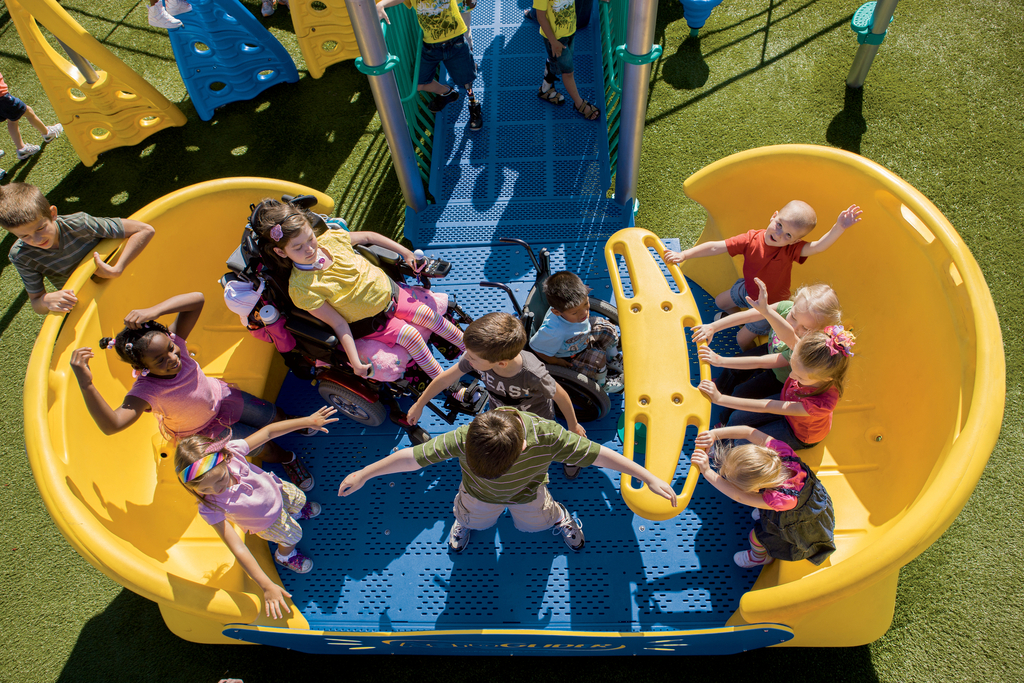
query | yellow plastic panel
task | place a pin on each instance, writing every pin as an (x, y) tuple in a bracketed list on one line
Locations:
[(116, 498), (654, 350), (924, 397), (325, 33), (120, 109)]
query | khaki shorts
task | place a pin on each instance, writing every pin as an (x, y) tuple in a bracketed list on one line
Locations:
[(543, 513), (286, 530)]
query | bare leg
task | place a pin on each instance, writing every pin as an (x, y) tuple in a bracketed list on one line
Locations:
[(725, 302), (12, 128), (36, 122), (570, 87), (745, 338)]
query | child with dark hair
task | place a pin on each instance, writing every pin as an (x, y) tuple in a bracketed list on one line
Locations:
[(569, 336), (170, 384), (504, 455)]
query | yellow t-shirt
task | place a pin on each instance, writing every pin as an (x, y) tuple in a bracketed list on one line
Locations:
[(353, 286), (439, 19), (561, 14)]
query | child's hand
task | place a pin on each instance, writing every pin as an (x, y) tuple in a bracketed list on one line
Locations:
[(351, 484), (700, 460), (662, 489), (556, 48), (320, 418), (703, 333), (360, 368), (761, 305), (704, 441), (274, 598), (60, 302), (849, 217), (708, 388), (80, 364), (708, 356), (382, 15), (103, 269), (413, 416), (136, 318), (671, 256), (578, 429)]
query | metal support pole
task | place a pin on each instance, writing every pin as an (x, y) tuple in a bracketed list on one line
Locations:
[(369, 37), (88, 73), (884, 9), (643, 15)]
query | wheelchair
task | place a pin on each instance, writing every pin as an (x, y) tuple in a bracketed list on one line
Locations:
[(318, 357), (589, 400)]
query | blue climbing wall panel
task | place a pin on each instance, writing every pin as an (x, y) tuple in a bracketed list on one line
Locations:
[(384, 580)]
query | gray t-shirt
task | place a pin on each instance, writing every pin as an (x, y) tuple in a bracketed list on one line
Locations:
[(529, 390), (77, 235)]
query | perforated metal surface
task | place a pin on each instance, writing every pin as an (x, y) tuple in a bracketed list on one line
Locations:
[(381, 556)]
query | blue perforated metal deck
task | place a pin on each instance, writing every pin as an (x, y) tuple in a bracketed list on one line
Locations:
[(536, 172)]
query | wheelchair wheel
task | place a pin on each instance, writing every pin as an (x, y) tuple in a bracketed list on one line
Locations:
[(588, 400), (352, 404)]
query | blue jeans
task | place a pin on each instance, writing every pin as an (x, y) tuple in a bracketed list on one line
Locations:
[(456, 57), (739, 293)]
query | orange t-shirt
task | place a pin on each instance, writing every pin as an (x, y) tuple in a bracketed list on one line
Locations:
[(774, 265)]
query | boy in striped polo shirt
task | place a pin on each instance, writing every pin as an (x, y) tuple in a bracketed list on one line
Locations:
[(52, 246), (504, 455)]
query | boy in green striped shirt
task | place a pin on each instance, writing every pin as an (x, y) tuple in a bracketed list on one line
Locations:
[(504, 455)]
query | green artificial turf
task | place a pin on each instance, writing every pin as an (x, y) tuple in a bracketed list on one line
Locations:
[(941, 108)]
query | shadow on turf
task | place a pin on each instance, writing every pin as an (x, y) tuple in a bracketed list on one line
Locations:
[(848, 126), (129, 643)]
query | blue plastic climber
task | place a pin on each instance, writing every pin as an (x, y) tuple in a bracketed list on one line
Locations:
[(225, 55), (696, 13)]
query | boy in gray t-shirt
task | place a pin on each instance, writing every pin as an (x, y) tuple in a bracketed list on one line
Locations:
[(513, 377)]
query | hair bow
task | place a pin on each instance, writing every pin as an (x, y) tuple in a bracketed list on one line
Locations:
[(839, 340), (276, 233)]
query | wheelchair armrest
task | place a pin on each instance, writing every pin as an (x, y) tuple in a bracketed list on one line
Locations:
[(317, 332), (379, 256), (237, 262)]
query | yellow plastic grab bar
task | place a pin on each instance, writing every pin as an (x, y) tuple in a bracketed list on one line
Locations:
[(658, 391)]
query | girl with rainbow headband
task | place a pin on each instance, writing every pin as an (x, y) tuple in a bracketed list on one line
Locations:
[(170, 384), (229, 489), (801, 414), (338, 286)]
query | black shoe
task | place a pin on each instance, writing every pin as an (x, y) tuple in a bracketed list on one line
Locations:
[(441, 101), (476, 116)]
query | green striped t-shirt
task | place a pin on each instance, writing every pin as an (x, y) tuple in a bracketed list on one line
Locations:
[(545, 441)]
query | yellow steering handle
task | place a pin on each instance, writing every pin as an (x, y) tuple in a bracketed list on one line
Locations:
[(655, 355)]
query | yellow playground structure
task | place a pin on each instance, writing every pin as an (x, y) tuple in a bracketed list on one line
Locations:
[(911, 436)]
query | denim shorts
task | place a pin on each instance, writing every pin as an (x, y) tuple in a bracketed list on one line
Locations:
[(11, 108), (563, 64), (456, 57), (738, 293)]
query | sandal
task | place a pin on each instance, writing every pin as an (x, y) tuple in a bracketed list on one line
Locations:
[(551, 95), (590, 114)]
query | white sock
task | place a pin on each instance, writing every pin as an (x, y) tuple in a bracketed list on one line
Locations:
[(285, 558)]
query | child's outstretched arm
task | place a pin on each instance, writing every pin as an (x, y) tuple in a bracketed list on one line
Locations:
[(706, 331), (772, 360), (752, 405), (620, 463), (399, 461), (187, 306), (370, 237), (340, 326), (138, 235), (109, 420), (783, 329), (436, 386), (61, 301), (846, 219), (273, 595), (564, 403), (275, 429), (699, 251)]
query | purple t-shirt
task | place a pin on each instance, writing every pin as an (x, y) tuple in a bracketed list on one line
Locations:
[(254, 499)]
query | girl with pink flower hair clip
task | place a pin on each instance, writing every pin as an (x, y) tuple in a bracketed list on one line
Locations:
[(801, 414)]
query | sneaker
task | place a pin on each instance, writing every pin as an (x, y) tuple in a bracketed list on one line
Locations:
[(614, 364), (176, 7), (310, 510), (476, 116), (53, 132), (747, 560), (27, 151), (268, 8), (458, 539), (571, 471), (298, 473), (2, 153), (298, 563), (571, 529), (441, 101), (720, 315), (159, 18), (614, 385)]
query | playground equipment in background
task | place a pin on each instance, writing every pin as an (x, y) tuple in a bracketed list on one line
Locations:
[(224, 54), (660, 394), (696, 13), (100, 109), (324, 32), (896, 484)]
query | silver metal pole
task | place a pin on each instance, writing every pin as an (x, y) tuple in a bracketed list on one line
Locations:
[(884, 9), (88, 73), (374, 51), (643, 14)]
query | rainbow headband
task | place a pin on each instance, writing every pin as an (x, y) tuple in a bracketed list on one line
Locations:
[(200, 467)]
